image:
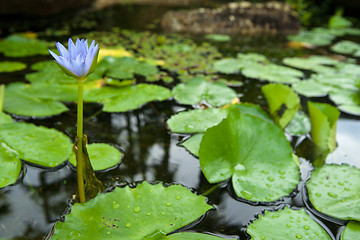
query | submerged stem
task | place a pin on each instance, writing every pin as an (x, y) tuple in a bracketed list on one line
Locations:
[(2, 97), (80, 154), (210, 190)]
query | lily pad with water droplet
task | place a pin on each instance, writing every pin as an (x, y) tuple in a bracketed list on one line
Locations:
[(102, 156), (18, 102), (39, 145), (122, 99), (286, 224), (351, 231), (7, 66), (145, 212), (18, 46), (253, 152), (198, 89), (10, 165), (334, 190), (283, 103)]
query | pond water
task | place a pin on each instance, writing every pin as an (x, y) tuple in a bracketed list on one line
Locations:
[(29, 208)]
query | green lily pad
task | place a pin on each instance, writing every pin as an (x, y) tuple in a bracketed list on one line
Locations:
[(299, 125), (338, 22), (311, 88), (18, 46), (313, 38), (272, 73), (218, 37), (102, 156), (228, 65), (283, 103), (254, 152), (314, 63), (198, 89), (7, 66), (337, 80), (10, 165), (323, 119), (334, 190), (18, 102), (252, 57), (196, 121), (4, 118), (338, 31), (192, 144), (350, 109), (145, 212), (126, 67), (347, 47), (193, 236), (351, 231), (122, 99), (36, 144), (286, 224), (345, 97)]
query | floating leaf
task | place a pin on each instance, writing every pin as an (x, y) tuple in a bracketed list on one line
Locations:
[(323, 119), (10, 165), (334, 190), (122, 99), (254, 152), (193, 143), (338, 22), (192, 236), (113, 52), (299, 125), (196, 121), (126, 67), (4, 118), (338, 31), (218, 37), (228, 65), (272, 73), (7, 66), (347, 47), (313, 38), (286, 224), (18, 46), (102, 156), (314, 63), (252, 57), (350, 109), (311, 88), (198, 89), (18, 102), (351, 231), (283, 103), (38, 145), (143, 212)]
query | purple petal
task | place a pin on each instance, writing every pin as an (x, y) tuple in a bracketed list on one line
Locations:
[(92, 44), (62, 50), (72, 49), (55, 56)]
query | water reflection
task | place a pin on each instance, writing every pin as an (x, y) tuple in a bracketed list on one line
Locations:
[(347, 136)]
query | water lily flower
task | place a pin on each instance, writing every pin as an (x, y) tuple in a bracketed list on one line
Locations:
[(79, 60)]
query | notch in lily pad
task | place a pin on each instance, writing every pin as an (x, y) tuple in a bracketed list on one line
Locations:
[(254, 152), (283, 103)]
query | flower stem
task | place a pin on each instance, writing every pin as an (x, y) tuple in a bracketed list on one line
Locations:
[(80, 157), (2, 97)]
